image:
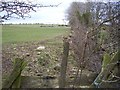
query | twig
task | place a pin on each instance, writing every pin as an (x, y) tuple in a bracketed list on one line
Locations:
[(82, 62), (117, 16), (18, 9)]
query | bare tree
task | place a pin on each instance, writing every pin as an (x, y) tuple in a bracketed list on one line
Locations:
[(18, 9)]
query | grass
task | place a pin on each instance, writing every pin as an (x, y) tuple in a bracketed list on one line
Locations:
[(25, 33)]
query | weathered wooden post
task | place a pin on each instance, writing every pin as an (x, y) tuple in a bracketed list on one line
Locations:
[(14, 80), (62, 78)]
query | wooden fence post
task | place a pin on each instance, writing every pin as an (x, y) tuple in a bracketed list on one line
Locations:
[(14, 79), (62, 78)]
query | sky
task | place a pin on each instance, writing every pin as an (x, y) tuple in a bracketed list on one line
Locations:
[(47, 15)]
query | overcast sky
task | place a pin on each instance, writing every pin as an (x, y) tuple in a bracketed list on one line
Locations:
[(52, 15), (49, 15)]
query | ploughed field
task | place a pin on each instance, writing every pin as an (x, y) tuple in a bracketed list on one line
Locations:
[(23, 41)]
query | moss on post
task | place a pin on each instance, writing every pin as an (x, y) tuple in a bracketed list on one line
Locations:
[(109, 66), (14, 79)]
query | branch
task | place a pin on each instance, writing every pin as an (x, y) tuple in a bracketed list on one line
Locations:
[(117, 16), (113, 81), (83, 60), (108, 20), (18, 9)]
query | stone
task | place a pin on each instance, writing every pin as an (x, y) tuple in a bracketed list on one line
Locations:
[(40, 48)]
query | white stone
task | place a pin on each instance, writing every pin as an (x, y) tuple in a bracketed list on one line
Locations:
[(40, 47)]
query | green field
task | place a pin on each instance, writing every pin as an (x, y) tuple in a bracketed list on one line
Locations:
[(25, 33)]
